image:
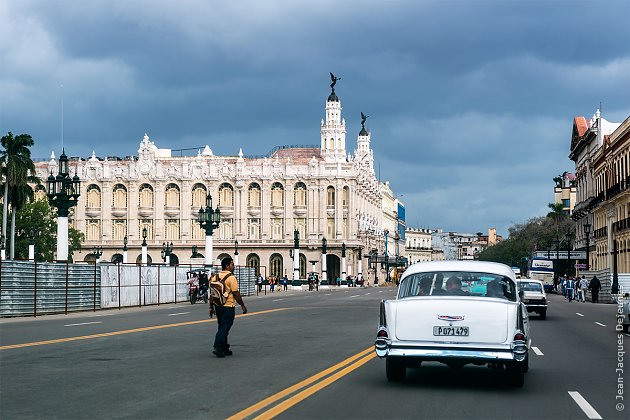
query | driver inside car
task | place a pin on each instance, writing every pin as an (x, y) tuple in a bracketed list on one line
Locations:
[(454, 287)]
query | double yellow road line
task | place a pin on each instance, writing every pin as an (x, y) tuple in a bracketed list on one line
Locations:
[(319, 381)]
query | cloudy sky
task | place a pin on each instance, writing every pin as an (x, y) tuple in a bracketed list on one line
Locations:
[(471, 102)]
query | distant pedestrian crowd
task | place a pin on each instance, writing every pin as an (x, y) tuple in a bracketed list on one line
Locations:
[(575, 289)]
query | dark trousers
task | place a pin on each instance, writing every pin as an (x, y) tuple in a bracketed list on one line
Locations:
[(225, 319), (595, 293)]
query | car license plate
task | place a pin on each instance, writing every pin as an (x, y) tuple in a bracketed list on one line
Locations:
[(451, 331)]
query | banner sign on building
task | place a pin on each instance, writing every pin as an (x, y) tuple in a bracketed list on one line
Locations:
[(561, 255)]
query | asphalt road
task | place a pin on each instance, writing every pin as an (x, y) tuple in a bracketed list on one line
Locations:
[(296, 355)]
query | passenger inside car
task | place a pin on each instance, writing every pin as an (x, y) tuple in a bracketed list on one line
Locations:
[(424, 288), (494, 289), (454, 287)]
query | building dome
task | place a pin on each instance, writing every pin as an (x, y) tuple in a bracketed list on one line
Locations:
[(363, 132), (333, 97)]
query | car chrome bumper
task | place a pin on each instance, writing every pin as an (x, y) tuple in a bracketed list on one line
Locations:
[(535, 307), (384, 349)]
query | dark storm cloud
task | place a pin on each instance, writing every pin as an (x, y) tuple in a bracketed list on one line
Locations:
[(470, 101)]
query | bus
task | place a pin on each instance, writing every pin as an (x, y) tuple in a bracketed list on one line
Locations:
[(541, 269)]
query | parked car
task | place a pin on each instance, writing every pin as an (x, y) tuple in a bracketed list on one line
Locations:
[(534, 296), (456, 313)]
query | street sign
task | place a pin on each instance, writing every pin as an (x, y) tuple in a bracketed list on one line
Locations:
[(580, 266), (561, 255)]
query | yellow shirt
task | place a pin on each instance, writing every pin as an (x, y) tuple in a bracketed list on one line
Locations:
[(231, 285)]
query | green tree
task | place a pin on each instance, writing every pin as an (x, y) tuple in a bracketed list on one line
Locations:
[(16, 165), (41, 219)]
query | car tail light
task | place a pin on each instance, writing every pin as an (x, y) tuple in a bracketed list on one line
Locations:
[(519, 336), (382, 334)]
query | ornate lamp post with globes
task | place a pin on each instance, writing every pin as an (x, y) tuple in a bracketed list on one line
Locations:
[(144, 246), (236, 253), (63, 193), (587, 233), (209, 220), (125, 249)]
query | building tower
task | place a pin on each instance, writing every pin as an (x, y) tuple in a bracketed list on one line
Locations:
[(333, 130), (363, 154)]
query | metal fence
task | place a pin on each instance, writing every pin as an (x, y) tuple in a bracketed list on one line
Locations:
[(28, 288)]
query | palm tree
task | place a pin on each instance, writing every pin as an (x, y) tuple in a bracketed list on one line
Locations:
[(19, 195), (17, 166)]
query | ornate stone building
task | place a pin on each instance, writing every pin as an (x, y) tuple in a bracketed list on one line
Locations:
[(322, 191)]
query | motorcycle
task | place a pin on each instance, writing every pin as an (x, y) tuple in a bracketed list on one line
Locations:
[(195, 292)]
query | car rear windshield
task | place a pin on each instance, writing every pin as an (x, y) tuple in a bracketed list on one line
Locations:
[(457, 283), (529, 286)]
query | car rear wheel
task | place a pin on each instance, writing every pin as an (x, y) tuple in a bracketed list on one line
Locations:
[(543, 314), (515, 374), (395, 370)]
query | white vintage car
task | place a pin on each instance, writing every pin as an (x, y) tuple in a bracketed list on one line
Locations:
[(455, 312), (534, 296)]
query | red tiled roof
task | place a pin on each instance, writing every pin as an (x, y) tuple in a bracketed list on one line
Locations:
[(581, 125)]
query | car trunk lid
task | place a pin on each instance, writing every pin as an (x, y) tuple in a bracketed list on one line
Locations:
[(486, 319)]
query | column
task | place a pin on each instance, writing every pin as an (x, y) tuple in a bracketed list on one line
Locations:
[(343, 261), (62, 238), (208, 251)]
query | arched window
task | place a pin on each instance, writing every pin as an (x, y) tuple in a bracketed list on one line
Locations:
[(172, 230), (196, 231), (146, 195), (119, 230), (299, 194), (277, 195), (93, 196), (119, 196), (199, 196), (253, 228), (253, 261), (277, 228), (275, 265), (148, 224), (346, 197), (172, 195), (330, 196), (253, 198), (93, 230), (226, 195), (226, 229)]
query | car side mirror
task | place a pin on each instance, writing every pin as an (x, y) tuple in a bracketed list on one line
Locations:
[(521, 294)]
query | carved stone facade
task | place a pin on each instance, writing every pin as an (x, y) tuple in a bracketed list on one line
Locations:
[(320, 191)]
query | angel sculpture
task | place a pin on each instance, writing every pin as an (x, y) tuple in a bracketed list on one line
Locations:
[(334, 80), (363, 118)]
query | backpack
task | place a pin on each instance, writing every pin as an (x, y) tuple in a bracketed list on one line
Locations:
[(218, 292)]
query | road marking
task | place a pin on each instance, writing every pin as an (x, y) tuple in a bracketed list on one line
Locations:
[(135, 330), (328, 294), (584, 405), (278, 395), (577, 313), (82, 323), (277, 300), (302, 395), (95, 316), (354, 296), (601, 325), (537, 351), (179, 313), (367, 293)]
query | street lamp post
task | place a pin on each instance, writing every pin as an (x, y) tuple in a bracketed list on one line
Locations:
[(98, 252), (31, 245), (360, 263), (343, 261), (167, 249), (557, 263), (296, 255), (235, 253), (145, 253), (195, 252), (375, 263), (209, 220), (125, 249), (614, 288), (63, 193), (386, 257), (324, 274), (569, 237), (587, 233)]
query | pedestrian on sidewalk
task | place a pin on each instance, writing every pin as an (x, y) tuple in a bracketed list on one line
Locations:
[(272, 283), (226, 312), (595, 285), (285, 281), (583, 287), (570, 287)]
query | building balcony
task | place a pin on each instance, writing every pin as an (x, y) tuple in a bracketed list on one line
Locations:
[(119, 211), (600, 233), (171, 211), (226, 211), (145, 212), (277, 211), (93, 211), (253, 211), (621, 225), (299, 211)]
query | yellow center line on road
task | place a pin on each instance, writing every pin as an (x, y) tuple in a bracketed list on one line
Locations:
[(135, 330), (300, 396), (278, 395)]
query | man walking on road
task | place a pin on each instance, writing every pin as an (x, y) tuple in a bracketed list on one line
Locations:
[(583, 286), (227, 311)]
